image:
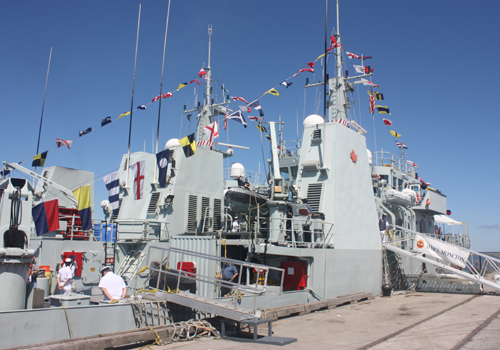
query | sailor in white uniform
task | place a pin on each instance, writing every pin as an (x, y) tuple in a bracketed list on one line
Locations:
[(65, 277), (112, 286)]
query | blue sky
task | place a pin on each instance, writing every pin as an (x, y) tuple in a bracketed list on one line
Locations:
[(435, 62)]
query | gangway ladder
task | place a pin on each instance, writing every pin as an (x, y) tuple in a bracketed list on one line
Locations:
[(130, 265), (474, 276)]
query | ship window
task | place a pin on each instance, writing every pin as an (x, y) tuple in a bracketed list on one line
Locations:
[(400, 184), (284, 173), (294, 171)]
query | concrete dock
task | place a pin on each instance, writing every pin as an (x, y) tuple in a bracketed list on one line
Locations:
[(403, 321)]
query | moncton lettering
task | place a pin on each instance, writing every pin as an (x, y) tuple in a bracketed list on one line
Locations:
[(442, 250), (447, 254)]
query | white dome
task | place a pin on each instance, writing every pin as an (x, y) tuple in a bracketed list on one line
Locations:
[(237, 169), (313, 119), (172, 143)]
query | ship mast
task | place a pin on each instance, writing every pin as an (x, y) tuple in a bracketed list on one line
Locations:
[(208, 110), (209, 72)]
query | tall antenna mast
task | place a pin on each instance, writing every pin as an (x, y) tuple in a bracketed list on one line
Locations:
[(43, 107), (43, 104), (161, 83), (339, 58), (325, 82), (133, 87), (209, 73)]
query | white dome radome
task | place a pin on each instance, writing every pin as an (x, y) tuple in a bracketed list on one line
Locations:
[(313, 119), (237, 169), (172, 143)]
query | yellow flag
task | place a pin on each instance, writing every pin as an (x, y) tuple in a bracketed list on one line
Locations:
[(395, 134), (123, 115), (323, 55), (273, 92)]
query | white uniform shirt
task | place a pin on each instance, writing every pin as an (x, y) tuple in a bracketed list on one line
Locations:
[(236, 226), (64, 275), (114, 284)]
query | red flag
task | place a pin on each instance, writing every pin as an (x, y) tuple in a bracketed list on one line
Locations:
[(311, 64), (256, 118), (239, 99), (194, 81), (304, 70), (387, 122), (201, 72), (167, 95), (372, 102), (351, 55), (333, 42), (67, 143), (155, 99)]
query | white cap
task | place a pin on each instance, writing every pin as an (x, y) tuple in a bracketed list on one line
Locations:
[(105, 268), (68, 260)]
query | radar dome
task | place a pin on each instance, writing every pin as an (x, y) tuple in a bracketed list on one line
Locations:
[(172, 143), (313, 119), (237, 169)]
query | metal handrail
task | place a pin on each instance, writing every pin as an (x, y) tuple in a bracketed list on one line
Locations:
[(407, 243), (307, 220), (254, 290)]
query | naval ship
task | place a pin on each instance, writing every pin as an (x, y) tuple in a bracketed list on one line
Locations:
[(317, 243)]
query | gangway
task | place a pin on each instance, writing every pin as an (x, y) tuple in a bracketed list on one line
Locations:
[(230, 311), (407, 245), (228, 308)]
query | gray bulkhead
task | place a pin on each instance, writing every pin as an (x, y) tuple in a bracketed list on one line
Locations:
[(342, 190)]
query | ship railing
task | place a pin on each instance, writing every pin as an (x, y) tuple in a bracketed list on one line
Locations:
[(175, 257), (302, 232), (386, 159), (476, 263), (141, 229)]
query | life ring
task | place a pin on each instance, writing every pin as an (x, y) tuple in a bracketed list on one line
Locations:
[(418, 198), (428, 202)]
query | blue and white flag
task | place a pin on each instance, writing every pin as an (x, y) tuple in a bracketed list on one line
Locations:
[(112, 182), (84, 132), (106, 121), (162, 160), (256, 105), (237, 116)]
